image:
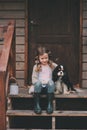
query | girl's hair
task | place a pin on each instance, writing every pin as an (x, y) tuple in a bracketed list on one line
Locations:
[(40, 51)]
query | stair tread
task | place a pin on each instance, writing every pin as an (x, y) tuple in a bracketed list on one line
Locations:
[(23, 93), (55, 113)]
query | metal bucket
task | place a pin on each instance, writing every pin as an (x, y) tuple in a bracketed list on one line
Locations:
[(14, 89)]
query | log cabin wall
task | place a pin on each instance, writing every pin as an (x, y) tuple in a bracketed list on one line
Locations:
[(15, 9)]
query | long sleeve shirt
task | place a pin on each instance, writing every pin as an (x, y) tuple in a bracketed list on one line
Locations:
[(44, 75)]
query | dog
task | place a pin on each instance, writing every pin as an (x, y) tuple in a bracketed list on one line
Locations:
[(61, 80)]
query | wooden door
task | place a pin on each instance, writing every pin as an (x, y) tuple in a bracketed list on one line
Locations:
[(55, 24)]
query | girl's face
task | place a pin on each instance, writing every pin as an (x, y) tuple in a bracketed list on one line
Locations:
[(44, 59)]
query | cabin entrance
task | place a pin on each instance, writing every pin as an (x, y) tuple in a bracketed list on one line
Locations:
[(56, 25)]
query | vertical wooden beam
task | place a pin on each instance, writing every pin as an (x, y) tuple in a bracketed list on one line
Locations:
[(2, 102), (26, 42), (80, 37)]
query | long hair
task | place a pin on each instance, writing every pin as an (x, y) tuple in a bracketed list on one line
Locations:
[(40, 51)]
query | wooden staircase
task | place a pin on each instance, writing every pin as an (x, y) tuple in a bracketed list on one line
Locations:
[(70, 112)]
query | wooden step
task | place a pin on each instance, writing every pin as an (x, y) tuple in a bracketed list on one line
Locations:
[(55, 113), (23, 93), (44, 129)]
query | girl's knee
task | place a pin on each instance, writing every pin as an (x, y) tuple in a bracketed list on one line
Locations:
[(51, 83), (37, 87), (51, 87)]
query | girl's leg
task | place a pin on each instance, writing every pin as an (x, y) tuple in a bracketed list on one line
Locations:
[(50, 95), (37, 87), (50, 87), (37, 91)]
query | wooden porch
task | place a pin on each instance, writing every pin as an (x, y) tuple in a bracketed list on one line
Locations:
[(16, 111)]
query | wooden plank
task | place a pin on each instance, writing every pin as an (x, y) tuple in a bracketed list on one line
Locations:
[(11, 1), (84, 31), (12, 14), (55, 113), (6, 48), (2, 102), (20, 74), (20, 31), (84, 58), (84, 83), (85, 5), (23, 92), (12, 6), (84, 39), (84, 75), (19, 65), (84, 48), (20, 82), (20, 48), (20, 57), (20, 40), (84, 65), (19, 23)]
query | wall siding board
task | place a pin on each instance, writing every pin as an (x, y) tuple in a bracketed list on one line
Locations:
[(20, 66), (12, 14), (84, 58), (20, 31), (84, 75), (20, 40), (84, 14), (84, 49), (19, 23), (20, 57), (85, 31), (84, 83), (20, 74), (84, 40), (20, 48), (84, 22), (84, 66), (6, 6), (85, 6)]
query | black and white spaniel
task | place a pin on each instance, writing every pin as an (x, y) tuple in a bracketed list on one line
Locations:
[(62, 82)]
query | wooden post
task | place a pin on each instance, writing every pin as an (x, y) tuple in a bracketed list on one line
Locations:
[(2, 102)]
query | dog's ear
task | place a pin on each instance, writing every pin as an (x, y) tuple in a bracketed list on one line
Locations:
[(54, 74)]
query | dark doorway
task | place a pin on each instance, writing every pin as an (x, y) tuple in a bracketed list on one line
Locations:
[(56, 25)]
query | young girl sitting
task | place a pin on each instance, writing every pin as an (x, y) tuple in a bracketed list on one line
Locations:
[(42, 79)]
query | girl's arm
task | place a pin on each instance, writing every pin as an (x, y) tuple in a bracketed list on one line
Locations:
[(34, 75)]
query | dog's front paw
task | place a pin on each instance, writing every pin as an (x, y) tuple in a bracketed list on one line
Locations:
[(67, 92), (57, 92)]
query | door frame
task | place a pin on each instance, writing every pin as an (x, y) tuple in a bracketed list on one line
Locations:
[(27, 44)]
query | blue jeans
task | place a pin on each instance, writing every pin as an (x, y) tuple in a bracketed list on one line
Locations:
[(50, 87)]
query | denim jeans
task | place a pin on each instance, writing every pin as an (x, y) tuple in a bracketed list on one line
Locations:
[(49, 88)]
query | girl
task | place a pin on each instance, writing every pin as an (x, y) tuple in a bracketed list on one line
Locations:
[(42, 79)]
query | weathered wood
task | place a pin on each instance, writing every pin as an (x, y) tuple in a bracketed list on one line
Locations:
[(6, 48), (84, 83), (84, 66), (20, 49), (6, 68), (12, 6), (2, 102), (84, 75), (12, 14), (23, 92), (55, 113)]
